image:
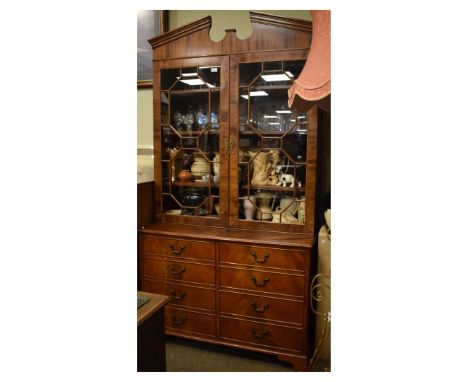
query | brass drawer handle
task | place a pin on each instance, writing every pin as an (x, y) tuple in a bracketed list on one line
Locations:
[(262, 309), (175, 251), (178, 321), (265, 258), (174, 272), (265, 281), (179, 297), (260, 335)]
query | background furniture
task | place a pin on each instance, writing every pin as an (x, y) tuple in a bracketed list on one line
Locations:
[(151, 344), (235, 279)]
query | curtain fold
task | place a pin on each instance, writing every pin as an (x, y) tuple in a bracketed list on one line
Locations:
[(314, 83)]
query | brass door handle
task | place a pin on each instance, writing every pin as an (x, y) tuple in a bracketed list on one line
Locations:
[(265, 258), (262, 309), (178, 321), (173, 270), (260, 335), (176, 251), (179, 297), (265, 281)]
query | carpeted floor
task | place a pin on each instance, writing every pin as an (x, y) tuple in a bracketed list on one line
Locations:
[(185, 355)]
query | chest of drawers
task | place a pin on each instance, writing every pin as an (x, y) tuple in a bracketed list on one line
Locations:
[(231, 289)]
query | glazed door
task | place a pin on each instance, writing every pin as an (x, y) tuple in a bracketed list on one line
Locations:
[(190, 133), (273, 161)]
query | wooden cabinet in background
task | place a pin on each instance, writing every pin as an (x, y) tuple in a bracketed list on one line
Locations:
[(224, 137)]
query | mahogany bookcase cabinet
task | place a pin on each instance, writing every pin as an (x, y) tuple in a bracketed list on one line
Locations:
[(235, 181)]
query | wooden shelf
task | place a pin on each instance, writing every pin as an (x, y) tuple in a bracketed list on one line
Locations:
[(282, 165), (266, 134), (264, 87), (274, 188), (193, 184), (192, 91), (193, 134)]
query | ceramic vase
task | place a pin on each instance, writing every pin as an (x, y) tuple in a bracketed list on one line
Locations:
[(301, 212), (185, 176), (264, 205), (249, 208), (216, 164), (200, 167), (288, 203)]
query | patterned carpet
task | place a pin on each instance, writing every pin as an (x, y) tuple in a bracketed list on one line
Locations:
[(185, 355)]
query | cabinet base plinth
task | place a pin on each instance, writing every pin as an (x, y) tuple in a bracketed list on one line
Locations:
[(298, 363)]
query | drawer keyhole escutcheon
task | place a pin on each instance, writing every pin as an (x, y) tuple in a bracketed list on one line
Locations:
[(265, 258), (259, 335), (176, 251), (262, 309), (265, 281), (178, 321)]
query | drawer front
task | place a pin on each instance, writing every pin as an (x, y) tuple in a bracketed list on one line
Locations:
[(186, 321), (261, 281), (178, 270), (183, 295), (188, 249), (262, 334), (261, 307), (263, 256)]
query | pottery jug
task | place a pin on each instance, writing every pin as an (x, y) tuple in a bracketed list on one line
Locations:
[(249, 207), (301, 211), (288, 203), (276, 216), (284, 217), (216, 164), (264, 205), (200, 167)]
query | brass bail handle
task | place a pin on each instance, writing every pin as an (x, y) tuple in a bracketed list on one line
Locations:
[(173, 270), (178, 321), (262, 309), (265, 281), (265, 258), (260, 335), (176, 251), (179, 297)]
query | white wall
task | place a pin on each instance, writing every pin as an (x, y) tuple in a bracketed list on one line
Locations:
[(145, 118)]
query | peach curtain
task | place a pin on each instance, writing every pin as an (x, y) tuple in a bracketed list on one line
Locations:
[(314, 82)]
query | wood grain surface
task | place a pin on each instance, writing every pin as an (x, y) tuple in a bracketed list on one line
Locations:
[(156, 302)]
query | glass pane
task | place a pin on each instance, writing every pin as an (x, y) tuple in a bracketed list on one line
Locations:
[(211, 75), (214, 109), (294, 67), (248, 73), (295, 143), (271, 111), (274, 65), (164, 108), (189, 111), (169, 78), (190, 141), (272, 145), (248, 141)]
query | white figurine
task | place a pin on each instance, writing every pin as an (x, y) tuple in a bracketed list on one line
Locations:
[(285, 179)]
